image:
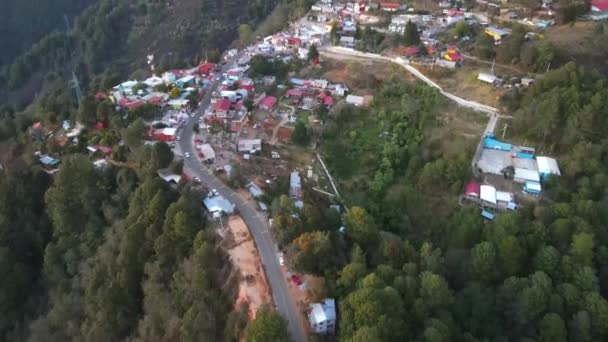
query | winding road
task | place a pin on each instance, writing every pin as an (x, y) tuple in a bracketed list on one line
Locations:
[(257, 222)]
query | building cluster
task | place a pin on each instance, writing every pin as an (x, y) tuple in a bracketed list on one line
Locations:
[(517, 164)]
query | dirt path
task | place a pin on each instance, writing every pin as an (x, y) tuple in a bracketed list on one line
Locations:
[(284, 120)]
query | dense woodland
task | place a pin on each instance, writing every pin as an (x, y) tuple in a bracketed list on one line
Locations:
[(414, 265)]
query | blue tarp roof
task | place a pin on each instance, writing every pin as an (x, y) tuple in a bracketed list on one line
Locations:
[(491, 143), (488, 215), (218, 204)]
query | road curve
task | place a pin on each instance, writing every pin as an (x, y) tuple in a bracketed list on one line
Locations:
[(257, 223)]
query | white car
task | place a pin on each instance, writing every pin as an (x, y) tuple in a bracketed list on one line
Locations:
[(214, 192), (187, 154), (281, 261), (179, 138)]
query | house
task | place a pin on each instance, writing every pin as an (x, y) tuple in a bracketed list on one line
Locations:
[(355, 100), (411, 51), (222, 107), (489, 78), (165, 134), (487, 215), (49, 161), (234, 74), (269, 80), (207, 153), (472, 189), (445, 63), (169, 176), (496, 33), (153, 81), (390, 6), (254, 190), (487, 193), (249, 145), (527, 81), (532, 187), (524, 175), (268, 103), (547, 167), (599, 10), (218, 205), (295, 185), (347, 41), (205, 68), (294, 94), (322, 316)]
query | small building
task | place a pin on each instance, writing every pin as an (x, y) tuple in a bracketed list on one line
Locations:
[(186, 81), (525, 175), (49, 161), (322, 316), (472, 189), (599, 10), (218, 205), (222, 107), (295, 185), (547, 166), (207, 153), (496, 33), (390, 6), (165, 134), (489, 78), (347, 41), (205, 68), (169, 176), (268, 103), (355, 100), (254, 190), (532, 187), (487, 215), (249, 145), (487, 193)]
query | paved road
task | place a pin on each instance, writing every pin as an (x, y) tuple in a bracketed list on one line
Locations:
[(257, 223)]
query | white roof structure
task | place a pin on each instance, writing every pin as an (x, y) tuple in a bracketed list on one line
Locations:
[(254, 190), (178, 102), (526, 175), (533, 186), (547, 166), (169, 131), (218, 204), (153, 81), (169, 176), (503, 196), (488, 193), (207, 151), (355, 100)]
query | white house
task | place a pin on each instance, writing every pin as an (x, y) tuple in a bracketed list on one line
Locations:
[(347, 41), (249, 145), (547, 167), (488, 78), (322, 316), (355, 100)]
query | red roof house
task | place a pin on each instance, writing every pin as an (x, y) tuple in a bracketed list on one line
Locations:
[(268, 102), (293, 93), (222, 107), (205, 68), (454, 56), (599, 5), (472, 188), (37, 125), (249, 87), (328, 101), (390, 6), (411, 50)]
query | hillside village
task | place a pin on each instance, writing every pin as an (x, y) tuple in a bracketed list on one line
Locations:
[(253, 117)]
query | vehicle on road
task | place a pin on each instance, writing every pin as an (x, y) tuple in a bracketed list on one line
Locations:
[(282, 261), (214, 192), (296, 280), (188, 155), (197, 180), (179, 138)]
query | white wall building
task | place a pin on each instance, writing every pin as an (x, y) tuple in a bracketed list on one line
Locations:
[(322, 316)]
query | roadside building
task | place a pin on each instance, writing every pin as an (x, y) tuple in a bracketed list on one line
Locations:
[(169, 176), (525, 175), (205, 69), (218, 205), (221, 108), (390, 6), (357, 101), (489, 78), (322, 316), (348, 42), (207, 153), (254, 190)]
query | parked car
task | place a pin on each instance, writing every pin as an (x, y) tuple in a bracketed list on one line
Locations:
[(214, 192), (187, 154), (296, 280), (281, 261), (197, 180)]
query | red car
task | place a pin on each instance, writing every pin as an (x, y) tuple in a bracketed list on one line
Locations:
[(296, 280)]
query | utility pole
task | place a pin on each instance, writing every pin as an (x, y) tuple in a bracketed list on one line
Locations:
[(67, 23), (504, 131), (493, 61), (548, 66)]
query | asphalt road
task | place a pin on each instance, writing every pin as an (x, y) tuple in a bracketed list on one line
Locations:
[(257, 222)]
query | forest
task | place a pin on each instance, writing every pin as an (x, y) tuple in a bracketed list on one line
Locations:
[(413, 265)]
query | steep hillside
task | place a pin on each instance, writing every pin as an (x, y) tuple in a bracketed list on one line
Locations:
[(24, 22), (116, 35)]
